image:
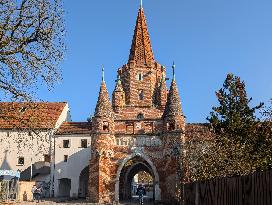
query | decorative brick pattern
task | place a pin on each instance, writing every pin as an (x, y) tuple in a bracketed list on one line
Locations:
[(135, 132), (141, 50)]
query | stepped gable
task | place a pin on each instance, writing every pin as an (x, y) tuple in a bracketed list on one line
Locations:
[(26, 115), (141, 49), (103, 105), (173, 104), (69, 128)]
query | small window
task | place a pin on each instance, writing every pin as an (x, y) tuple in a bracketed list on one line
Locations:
[(141, 95), (140, 116), (171, 126), (140, 76), (106, 126), (66, 143), (65, 158), (47, 158), (84, 143), (21, 160)]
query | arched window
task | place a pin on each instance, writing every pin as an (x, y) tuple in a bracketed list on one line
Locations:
[(141, 95), (140, 116)]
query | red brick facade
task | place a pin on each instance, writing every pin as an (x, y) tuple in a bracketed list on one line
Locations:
[(141, 130)]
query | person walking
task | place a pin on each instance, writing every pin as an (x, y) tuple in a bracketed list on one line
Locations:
[(33, 191), (141, 192), (39, 193)]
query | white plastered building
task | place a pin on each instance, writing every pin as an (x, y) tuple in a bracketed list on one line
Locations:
[(37, 134)]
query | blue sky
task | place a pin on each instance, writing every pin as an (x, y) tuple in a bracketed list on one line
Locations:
[(207, 39)]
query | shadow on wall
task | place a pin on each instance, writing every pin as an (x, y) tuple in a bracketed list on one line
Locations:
[(5, 165), (76, 167)]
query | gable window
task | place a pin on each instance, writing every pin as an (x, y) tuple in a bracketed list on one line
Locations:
[(65, 158), (141, 95), (140, 76), (66, 143), (21, 160), (83, 143)]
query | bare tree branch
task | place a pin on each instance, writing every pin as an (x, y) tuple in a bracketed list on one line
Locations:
[(31, 45)]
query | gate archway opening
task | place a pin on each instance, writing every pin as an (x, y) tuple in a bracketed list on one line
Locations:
[(137, 171), (83, 183)]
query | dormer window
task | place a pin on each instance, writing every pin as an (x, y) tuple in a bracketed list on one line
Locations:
[(141, 95), (140, 76)]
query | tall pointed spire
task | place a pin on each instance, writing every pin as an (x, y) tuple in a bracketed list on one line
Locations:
[(141, 49), (173, 117), (103, 105), (173, 105)]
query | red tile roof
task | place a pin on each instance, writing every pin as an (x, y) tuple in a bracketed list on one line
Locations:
[(30, 115), (74, 128)]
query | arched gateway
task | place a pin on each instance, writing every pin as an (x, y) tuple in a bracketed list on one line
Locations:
[(140, 130)]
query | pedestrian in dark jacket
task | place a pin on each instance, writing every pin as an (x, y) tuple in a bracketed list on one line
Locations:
[(39, 193), (141, 192), (33, 191)]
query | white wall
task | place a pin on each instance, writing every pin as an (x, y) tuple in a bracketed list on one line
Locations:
[(33, 147), (14, 144), (78, 159)]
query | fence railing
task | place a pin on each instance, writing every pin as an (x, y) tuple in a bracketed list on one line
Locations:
[(254, 189)]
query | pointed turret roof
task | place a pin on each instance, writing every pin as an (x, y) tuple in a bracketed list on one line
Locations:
[(118, 87), (103, 105), (173, 105), (141, 49)]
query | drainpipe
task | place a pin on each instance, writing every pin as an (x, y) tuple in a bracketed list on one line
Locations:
[(52, 163)]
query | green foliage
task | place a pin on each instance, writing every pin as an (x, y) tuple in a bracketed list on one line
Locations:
[(234, 116), (242, 143)]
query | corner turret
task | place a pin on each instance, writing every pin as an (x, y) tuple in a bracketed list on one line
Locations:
[(103, 120), (173, 117), (118, 95)]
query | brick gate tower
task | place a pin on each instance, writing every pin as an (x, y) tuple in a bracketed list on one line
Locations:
[(140, 130)]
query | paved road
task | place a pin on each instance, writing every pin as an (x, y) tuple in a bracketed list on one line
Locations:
[(133, 202)]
